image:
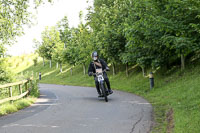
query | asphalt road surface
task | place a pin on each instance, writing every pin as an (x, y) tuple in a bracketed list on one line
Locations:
[(70, 109)]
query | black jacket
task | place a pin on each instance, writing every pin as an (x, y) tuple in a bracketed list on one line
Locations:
[(92, 67)]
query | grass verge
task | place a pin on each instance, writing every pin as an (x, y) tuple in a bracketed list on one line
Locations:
[(8, 108)]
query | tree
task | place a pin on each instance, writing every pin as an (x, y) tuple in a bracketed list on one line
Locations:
[(14, 15), (160, 32), (50, 37), (106, 22), (63, 28), (180, 36), (151, 34), (84, 42), (58, 52), (5, 75), (70, 53), (40, 49)]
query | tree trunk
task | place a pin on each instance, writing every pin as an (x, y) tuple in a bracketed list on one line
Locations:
[(182, 62), (143, 71), (50, 63), (84, 69), (127, 69), (113, 66), (71, 71), (60, 67), (43, 62), (57, 65)]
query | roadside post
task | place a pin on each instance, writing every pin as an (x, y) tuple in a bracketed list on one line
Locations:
[(40, 76), (151, 80)]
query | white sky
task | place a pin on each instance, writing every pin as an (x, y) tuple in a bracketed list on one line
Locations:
[(49, 15)]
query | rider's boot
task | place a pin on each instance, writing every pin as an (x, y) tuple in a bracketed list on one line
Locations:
[(108, 85), (110, 91)]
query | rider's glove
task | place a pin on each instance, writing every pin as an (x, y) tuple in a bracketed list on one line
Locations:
[(90, 73), (107, 69)]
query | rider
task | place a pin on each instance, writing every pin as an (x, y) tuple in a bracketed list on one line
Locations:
[(99, 64)]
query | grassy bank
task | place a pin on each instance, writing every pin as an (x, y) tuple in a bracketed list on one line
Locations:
[(175, 98), (8, 108), (17, 65)]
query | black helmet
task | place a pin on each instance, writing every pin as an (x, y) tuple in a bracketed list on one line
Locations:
[(94, 55)]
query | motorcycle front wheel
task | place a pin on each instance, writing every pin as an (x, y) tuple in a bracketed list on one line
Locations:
[(104, 92)]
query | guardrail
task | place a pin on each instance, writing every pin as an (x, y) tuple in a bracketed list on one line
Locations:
[(27, 84)]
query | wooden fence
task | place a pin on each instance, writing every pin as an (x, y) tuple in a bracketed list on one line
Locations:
[(24, 87)]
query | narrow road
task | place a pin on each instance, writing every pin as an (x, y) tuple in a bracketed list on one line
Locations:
[(70, 109)]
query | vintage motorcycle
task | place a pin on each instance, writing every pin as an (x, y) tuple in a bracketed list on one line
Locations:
[(102, 86)]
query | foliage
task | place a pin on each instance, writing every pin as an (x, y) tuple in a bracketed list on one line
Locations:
[(148, 33), (50, 40), (107, 23), (63, 28), (70, 54), (159, 31), (77, 42), (84, 43), (35, 60), (5, 74), (13, 16), (35, 90)]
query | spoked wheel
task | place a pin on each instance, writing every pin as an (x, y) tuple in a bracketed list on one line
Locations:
[(104, 92)]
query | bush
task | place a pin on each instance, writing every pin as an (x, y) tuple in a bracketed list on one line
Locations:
[(35, 60), (5, 74), (35, 91)]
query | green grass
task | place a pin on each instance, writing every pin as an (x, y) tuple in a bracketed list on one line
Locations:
[(19, 63), (8, 108), (175, 91)]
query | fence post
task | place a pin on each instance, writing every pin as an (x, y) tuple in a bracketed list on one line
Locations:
[(10, 93), (30, 88), (31, 82), (20, 89), (26, 86)]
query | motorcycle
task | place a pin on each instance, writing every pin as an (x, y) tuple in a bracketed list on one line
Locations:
[(102, 86)]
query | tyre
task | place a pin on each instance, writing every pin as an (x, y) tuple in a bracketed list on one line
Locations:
[(104, 92)]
